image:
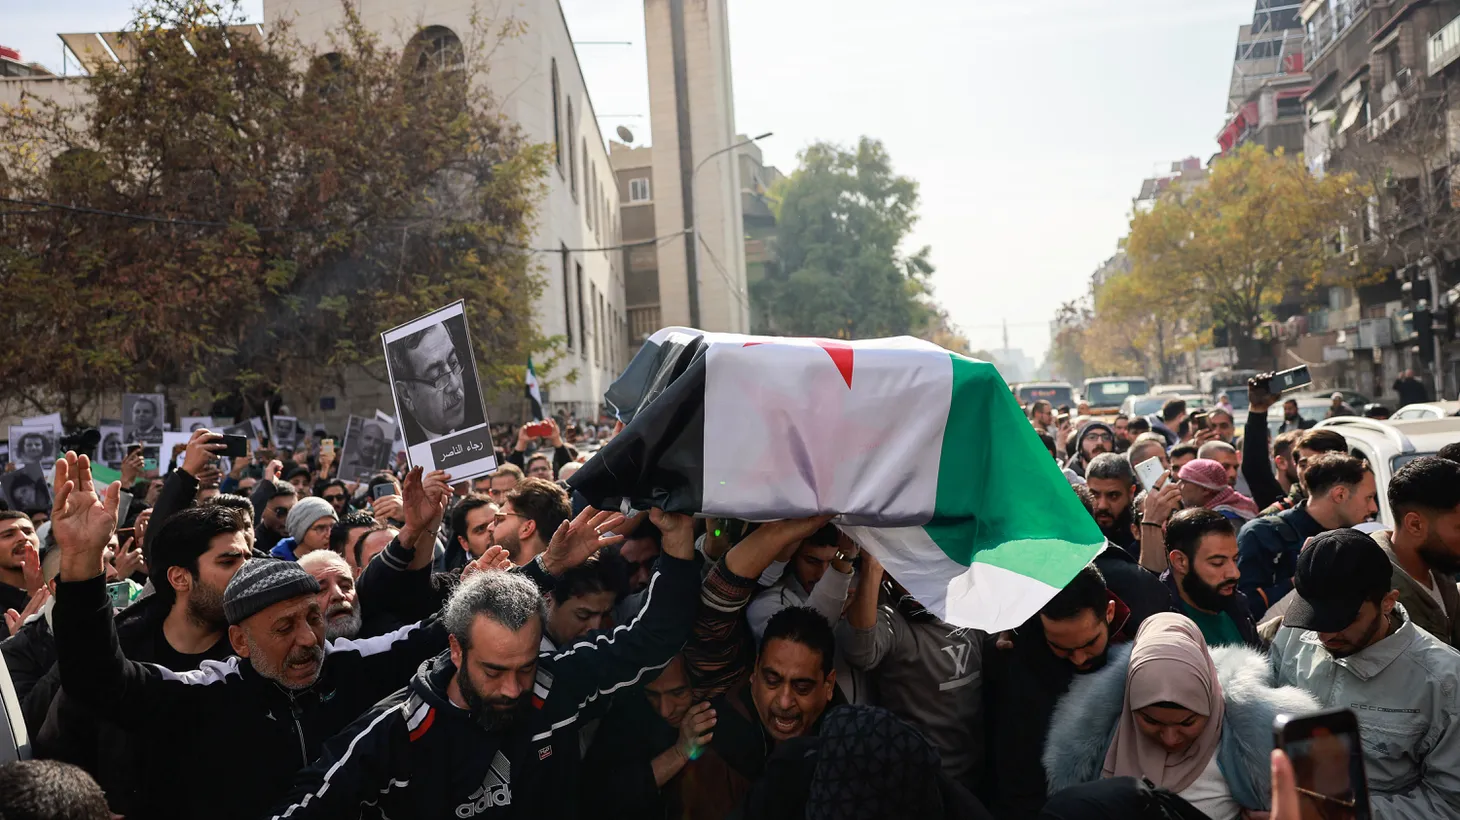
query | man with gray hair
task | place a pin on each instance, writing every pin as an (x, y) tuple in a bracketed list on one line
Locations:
[(1112, 484), (493, 723), (1148, 446)]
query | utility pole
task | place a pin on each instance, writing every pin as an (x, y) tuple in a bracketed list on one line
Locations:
[(1006, 333), (1437, 328)]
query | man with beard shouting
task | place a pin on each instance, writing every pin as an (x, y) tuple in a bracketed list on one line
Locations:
[(491, 726), (270, 708), (1424, 545), (1203, 577)]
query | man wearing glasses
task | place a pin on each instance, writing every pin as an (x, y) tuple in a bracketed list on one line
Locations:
[(528, 517), (429, 381), (1095, 437)]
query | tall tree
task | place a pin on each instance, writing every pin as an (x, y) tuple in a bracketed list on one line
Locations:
[(1258, 225), (841, 273), (246, 211)]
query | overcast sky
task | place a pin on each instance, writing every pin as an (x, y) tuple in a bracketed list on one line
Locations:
[(1028, 125)]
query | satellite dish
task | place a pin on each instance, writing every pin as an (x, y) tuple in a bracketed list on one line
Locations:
[(625, 134)]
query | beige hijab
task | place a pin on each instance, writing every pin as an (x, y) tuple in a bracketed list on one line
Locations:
[(1168, 664)]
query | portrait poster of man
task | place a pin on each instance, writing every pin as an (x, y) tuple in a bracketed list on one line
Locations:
[(286, 431), (112, 448), (242, 429), (193, 423), (367, 449), (33, 445), (398, 446), (142, 417), (438, 396), (26, 489)]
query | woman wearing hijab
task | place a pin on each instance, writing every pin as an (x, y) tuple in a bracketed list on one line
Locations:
[(1192, 721)]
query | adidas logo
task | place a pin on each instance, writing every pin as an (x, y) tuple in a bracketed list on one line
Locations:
[(496, 789)]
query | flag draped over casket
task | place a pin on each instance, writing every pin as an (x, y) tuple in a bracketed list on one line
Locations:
[(923, 454)]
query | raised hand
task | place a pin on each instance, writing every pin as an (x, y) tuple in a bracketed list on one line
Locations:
[(30, 566), (82, 521), (678, 531), (128, 559), (577, 540), (494, 559), (202, 449), (697, 730), (272, 471), (14, 620), (132, 468)]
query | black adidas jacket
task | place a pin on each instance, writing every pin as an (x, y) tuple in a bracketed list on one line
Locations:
[(417, 755), (227, 741)]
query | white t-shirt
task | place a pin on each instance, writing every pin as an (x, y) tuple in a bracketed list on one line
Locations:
[(1434, 590), (1210, 795)]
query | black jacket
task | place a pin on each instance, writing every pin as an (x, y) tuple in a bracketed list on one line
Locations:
[(179, 489), (76, 734), (206, 724), (1267, 555), (1256, 461), (29, 654), (11, 598), (417, 755)]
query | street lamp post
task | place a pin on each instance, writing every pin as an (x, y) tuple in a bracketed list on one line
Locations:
[(694, 237)]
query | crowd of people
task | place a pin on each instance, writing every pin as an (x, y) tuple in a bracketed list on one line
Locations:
[(275, 642)]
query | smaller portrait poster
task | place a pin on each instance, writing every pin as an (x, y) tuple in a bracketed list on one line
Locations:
[(26, 489), (367, 449), (31, 444), (438, 396), (142, 417), (193, 423), (286, 432), (111, 448)]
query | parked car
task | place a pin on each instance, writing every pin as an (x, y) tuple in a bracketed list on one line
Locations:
[(1427, 410), (1151, 403), (1105, 395), (1173, 389), (1390, 444), (1352, 398), (1314, 410), (1056, 393)]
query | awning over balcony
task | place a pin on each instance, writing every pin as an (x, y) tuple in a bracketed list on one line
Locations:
[(1246, 117)]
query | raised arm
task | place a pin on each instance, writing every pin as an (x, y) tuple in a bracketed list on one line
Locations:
[(1256, 463), (872, 634), (714, 655), (603, 662), (92, 668)]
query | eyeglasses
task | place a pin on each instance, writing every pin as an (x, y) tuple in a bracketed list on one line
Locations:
[(1099, 437), (501, 516), (280, 512), (334, 497), (441, 382)]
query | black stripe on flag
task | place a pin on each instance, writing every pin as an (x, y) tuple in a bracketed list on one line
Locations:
[(657, 459)]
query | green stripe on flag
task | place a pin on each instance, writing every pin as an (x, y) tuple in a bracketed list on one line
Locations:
[(104, 474), (1001, 499)]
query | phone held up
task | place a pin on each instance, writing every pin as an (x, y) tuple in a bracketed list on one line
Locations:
[(382, 490), (1328, 763), (1149, 472), (234, 446), (1283, 381)]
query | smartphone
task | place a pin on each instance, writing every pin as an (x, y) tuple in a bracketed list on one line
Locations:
[(1199, 421), (119, 593), (1149, 472), (1328, 763), (327, 447), (237, 446), (1291, 379), (539, 429), (382, 490)]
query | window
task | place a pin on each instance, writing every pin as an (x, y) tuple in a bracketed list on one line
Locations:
[(589, 181), (582, 314), (436, 48), (639, 189), (572, 156), (593, 305), (567, 295), (557, 123)]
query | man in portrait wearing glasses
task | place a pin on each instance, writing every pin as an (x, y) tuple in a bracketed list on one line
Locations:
[(436, 394), (530, 513)]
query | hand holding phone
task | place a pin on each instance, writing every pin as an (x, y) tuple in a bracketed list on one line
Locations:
[(1149, 472), (1328, 763)]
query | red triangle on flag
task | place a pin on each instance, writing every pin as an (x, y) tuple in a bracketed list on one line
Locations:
[(841, 354)]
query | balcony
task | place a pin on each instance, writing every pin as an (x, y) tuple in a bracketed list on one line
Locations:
[(643, 322), (1444, 46), (1329, 21)]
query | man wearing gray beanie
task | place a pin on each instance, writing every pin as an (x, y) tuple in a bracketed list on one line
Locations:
[(308, 524), (274, 705)]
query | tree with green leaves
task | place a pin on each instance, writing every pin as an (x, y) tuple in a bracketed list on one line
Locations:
[(840, 271), (233, 211)]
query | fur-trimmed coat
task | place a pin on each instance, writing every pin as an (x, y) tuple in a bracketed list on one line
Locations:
[(1084, 723)]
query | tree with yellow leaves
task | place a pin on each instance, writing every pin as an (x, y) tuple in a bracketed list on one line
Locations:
[(1227, 249)]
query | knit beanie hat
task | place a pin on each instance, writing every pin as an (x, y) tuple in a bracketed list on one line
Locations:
[(262, 582), (304, 513)]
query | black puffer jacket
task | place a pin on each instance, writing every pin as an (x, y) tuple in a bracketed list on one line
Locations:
[(204, 725)]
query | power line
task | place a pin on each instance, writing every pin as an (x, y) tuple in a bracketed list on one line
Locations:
[(43, 206)]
